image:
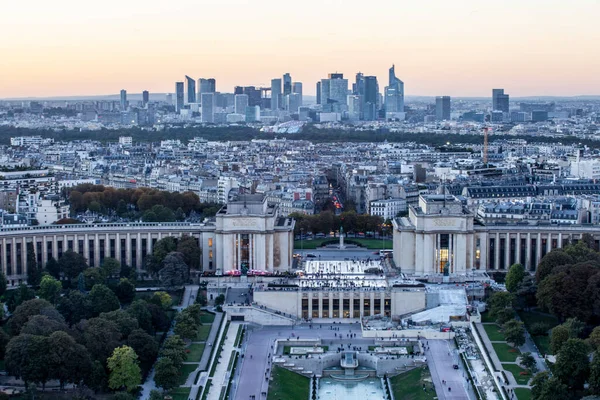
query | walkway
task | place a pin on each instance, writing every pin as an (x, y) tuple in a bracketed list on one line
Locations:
[(441, 357), (221, 377)]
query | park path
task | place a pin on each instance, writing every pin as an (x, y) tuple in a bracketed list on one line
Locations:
[(203, 366)]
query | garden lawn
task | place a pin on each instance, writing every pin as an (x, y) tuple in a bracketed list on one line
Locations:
[(409, 385), (523, 394), (485, 317), (287, 385), (505, 352), (203, 332), (516, 370), (180, 393), (185, 371), (494, 333), (372, 244), (207, 318), (195, 353)]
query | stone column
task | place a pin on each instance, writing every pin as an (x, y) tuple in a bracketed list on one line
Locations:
[(528, 249), (351, 309), (310, 309), (330, 304), (518, 247), (341, 296), (382, 299), (3, 254), (497, 252), (320, 304), (372, 302), (362, 304), (538, 252), (507, 260), (128, 249), (559, 240)]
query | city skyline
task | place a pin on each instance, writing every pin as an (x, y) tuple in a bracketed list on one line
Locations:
[(444, 49)]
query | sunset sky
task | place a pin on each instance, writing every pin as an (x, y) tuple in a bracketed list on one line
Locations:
[(440, 47)]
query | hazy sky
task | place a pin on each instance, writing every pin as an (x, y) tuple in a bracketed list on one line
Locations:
[(440, 47)]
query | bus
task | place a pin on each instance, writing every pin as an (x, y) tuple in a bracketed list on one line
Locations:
[(385, 253)]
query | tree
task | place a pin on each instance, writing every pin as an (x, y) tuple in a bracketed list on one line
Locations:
[(26, 311), (594, 338), (185, 326), (594, 379), (159, 318), (26, 358), (144, 346), (110, 267), (528, 362), (15, 298), (74, 307), (572, 363), (499, 301), (100, 336), (514, 332), (174, 348), (50, 289), (162, 299), (33, 272), (555, 258), (97, 379), (166, 374), (159, 252), (139, 310), (174, 271), (188, 246), (545, 388), (93, 276), (558, 336), (69, 362), (42, 325), (53, 267), (124, 369), (125, 322), (4, 339), (156, 395), (103, 299), (220, 299), (71, 264), (125, 291), (514, 277)]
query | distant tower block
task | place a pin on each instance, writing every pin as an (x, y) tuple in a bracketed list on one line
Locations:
[(342, 246)]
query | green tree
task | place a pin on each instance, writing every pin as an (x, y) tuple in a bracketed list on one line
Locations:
[(159, 319), (572, 363), (514, 277), (139, 310), (188, 246), (92, 276), (174, 348), (72, 264), (527, 361), (156, 395), (166, 374), (159, 252), (558, 337), (124, 369), (185, 326), (514, 332), (74, 307), (69, 362), (594, 338), (42, 325), (162, 299), (110, 267), (25, 311), (26, 358), (53, 267), (219, 300), (15, 298), (594, 379), (174, 271), (4, 339), (556, 258), (144, 346), (125, 322), (103, 299), (545, 388), (33, 272), (499, 301), (100, 336), (125, 291), (50, 289), (98, 380)]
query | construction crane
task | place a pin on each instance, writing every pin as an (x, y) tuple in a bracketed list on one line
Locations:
[(485, 146)]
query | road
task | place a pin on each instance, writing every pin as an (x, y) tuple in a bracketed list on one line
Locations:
[(441, 357)]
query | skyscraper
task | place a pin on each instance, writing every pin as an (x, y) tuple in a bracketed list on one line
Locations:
[(275, 94), (145, 98), (338, 91), (358, 88), (287, 84), (293, 102), (500, 100), (297, 88), (208, 107), (178, 96), (241, 102), (442, 108), (207, 85), (123, 99), (370, 98), (394, 93), (191, 89), (319, 92)]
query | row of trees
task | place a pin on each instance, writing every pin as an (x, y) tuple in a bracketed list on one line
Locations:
[(152, 204), (326, 221)]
